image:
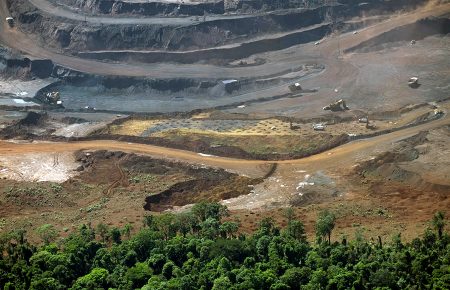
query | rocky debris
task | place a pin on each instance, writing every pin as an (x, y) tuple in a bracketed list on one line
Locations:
[(390, 170), (314, 188), (73, 120)]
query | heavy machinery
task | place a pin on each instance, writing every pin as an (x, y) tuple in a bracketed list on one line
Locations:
[(338, 105), (319, 127), (295, 87), (413, 82), (10, 21), (53, 98)]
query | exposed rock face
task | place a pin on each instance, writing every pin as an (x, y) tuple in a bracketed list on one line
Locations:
[(74, 37), (41, 68), (147, 8), (198, 8)]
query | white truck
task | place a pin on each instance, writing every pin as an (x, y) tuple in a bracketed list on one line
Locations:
[(10, 21)]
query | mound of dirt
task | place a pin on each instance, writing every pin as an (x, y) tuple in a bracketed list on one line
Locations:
[(73, 120)]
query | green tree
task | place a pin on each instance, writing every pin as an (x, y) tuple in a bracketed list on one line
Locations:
[(103, 231), (116, 235), (127, 230), (138, 275), (47, 233), (186, 222), (289, 214), (210, 228), (325, 225), (439, 223), (148, 221), (222, 283), (96, 279), (47, 283), (228, 229), (166, 223), (204, 210), (295, 230), (295, 277)]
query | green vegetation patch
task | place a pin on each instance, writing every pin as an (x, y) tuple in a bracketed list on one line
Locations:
[(200, 249)]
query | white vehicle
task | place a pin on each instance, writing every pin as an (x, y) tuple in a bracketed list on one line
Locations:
[(413, 82), (319, 127), (317, 43), (355, 32), (10, 21), (363, 120)]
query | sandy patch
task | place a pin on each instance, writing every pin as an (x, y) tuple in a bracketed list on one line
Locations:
[(54, 167)]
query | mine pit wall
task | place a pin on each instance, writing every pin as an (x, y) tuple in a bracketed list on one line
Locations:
[(40, 68), (114, 7), (414, 31), (221, 54), (110, 82), (75, 36), (72, 36)]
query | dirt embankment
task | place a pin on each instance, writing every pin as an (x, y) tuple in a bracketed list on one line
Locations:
[(193, 184), (389, 172), (415, 31), (13, 64), (73, 36)]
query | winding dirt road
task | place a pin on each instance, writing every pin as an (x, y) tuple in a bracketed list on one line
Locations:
[(340, 157)]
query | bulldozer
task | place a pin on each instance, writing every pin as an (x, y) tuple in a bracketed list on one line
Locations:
[(338, 105)]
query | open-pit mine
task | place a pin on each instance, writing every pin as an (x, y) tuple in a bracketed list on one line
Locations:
[(114, 109)]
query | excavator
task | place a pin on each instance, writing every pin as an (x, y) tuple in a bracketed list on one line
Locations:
[(338, 105)]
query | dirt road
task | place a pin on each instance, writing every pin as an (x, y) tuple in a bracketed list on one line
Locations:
[(51, 9), (340, 157)]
